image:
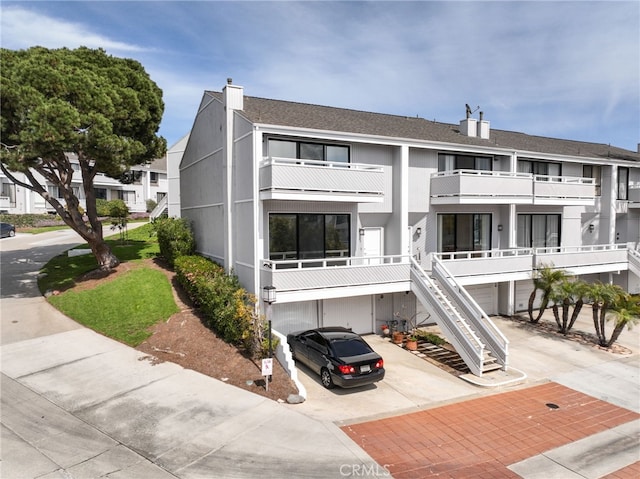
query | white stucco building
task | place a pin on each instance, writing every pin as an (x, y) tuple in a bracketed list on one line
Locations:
[(150, 184), (355, 216)]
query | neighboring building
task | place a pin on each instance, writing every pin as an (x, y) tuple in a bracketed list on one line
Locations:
[(174, 156), (356, 217), (149, 183)]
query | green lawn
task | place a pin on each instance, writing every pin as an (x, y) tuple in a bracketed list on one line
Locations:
[(62, 271), (122, 309)]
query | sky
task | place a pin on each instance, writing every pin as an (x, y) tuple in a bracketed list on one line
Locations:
[(562, 69)]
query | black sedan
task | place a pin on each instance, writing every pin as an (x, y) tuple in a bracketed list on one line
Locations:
[(7, 229), (340, 356)]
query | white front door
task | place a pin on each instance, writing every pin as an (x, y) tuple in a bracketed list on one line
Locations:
[(372, 244)]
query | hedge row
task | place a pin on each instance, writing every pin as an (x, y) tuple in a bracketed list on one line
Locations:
[(226, 306), (32, 220)]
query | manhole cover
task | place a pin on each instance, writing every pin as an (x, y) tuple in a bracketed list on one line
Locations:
[(550, 405)]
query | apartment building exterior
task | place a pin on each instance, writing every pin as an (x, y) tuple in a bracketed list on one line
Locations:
[(148, 182), (357, 219)]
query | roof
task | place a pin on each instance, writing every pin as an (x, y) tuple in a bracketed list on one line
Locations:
[(318, 117)]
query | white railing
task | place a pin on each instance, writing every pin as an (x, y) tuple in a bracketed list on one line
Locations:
[(322, 273), (482, 325), (273, 160), (634, 261), (286, 178), (513, 187), (454, 327)]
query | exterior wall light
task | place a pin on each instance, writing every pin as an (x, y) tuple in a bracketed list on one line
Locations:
[(418, 231), (361, 231), (499, 227), (269, 294), (591, 227)]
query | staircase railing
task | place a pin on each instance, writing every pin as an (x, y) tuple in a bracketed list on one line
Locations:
[(634, 261), (455, 328), (160, 208), (481, 324)]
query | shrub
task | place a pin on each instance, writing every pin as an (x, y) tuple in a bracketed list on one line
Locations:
[(175, 238), (32, 220), (228, 309), (151, 204), (102, 207)]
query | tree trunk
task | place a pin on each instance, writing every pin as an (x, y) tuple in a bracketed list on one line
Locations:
[(103, 254), (556, 315), (532, 298), (576, 313), (616, 333)]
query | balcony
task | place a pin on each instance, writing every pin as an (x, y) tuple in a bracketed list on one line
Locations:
[(476, 267), (498, 187), (332, 277), (584, 259), (563, 190), (295, 179)]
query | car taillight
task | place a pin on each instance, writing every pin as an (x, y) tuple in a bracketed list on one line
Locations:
[(379, 364), (346, 369)]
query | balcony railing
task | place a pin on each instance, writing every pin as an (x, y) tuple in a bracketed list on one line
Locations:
[(477, 186), (499, 187), (295, 179), (567, 190), (507, 263), (584, 259), (334, 272)]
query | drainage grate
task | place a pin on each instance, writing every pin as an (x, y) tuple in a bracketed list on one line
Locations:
[(551, 405)]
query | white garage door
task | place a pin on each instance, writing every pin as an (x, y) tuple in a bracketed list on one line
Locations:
[(354, 313), (289, 317), (523, 291), (486, 295)]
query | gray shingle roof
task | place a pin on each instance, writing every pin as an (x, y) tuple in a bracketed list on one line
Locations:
[(303, 115)]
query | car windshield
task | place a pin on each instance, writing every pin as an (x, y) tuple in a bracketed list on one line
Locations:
[(349, 347)]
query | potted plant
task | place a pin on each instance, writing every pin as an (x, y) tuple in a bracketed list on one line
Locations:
[(385, 329), (412, 342), (398, 337)]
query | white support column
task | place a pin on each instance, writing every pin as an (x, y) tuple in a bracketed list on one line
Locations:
[(405, 236), (261, 224)]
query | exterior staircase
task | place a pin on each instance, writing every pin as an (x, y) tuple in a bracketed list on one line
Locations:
[(476, 339), (634, 261), (161, 208)]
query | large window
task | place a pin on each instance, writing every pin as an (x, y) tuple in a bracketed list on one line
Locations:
[(464, 232), (595, 172), (127, 196), (623, 183), (308, 151), (538, 230), (539, 168), (463, 162), (298, 236)]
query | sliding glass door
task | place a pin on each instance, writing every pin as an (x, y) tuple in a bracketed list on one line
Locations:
[(538, 230), (464, 232)]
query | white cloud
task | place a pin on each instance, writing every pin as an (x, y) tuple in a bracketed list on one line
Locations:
[(23, 28)]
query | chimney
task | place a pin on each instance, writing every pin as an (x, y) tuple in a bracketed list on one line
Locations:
[(483, 127), (233, 96), (469, 126)]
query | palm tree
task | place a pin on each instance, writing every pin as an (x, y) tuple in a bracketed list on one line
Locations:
[(567, 294), (604, 297), (626, 313), (545, 277)]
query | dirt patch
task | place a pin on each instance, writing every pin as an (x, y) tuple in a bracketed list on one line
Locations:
[(183, 339), (550, 328)]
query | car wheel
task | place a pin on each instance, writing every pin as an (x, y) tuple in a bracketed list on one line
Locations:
[(12, 233), (325, 378)]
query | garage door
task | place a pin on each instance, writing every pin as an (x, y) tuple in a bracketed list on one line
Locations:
[(486, 295), (523, 291), (354, 313), (289, 317)]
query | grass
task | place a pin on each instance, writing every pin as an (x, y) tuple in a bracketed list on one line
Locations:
[(122, 309), (62, 271)]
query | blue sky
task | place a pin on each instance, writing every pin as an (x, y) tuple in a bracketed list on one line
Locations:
[(563, 69)]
